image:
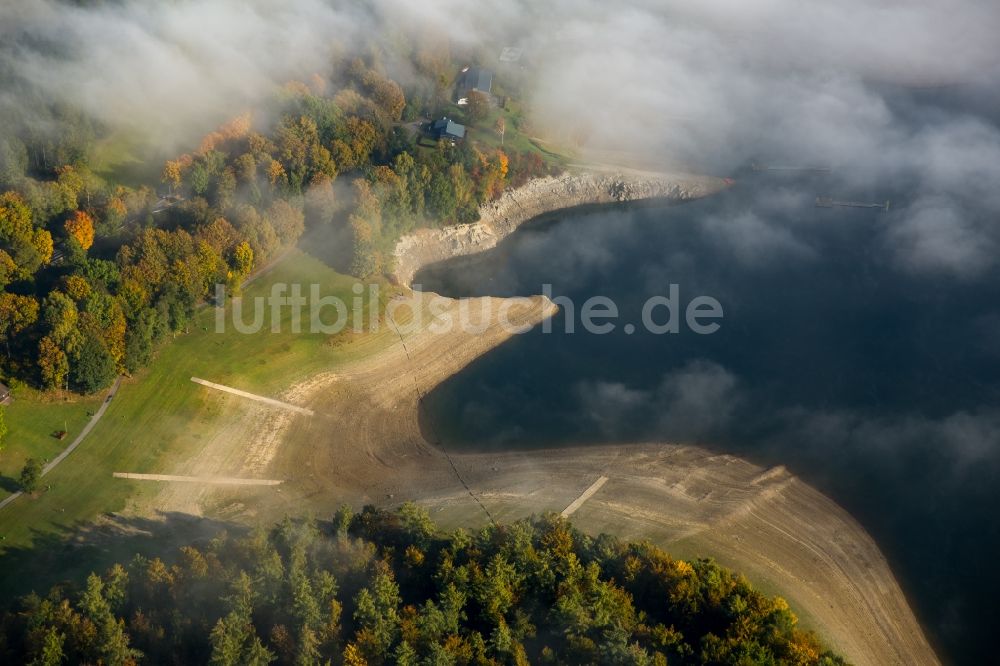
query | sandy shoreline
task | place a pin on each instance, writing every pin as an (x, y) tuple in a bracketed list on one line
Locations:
[(365, 445)]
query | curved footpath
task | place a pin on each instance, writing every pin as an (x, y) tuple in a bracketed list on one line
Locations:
[(365, 444)]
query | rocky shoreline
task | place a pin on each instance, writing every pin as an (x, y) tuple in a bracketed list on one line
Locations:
[(499, 218)]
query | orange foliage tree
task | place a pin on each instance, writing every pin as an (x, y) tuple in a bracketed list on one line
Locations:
[(81, 227)]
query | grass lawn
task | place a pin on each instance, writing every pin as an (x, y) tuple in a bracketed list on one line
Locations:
[(514, 140), (33, 419), (126, 157), (160, 417)]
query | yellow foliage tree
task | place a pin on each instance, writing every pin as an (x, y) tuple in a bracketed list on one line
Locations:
[(42, 240), (172, 174), (16, 313), (243, 259), (114, 337), (132, 292), (20, 238), (353, 656), (275, 172), (76, 287), (7, 268), (53, 363)]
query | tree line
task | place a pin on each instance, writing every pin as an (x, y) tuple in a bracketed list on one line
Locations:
[(380, 587)]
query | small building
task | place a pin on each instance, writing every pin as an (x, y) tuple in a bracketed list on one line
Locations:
[(448, 130), (4, 394), (476, 79)]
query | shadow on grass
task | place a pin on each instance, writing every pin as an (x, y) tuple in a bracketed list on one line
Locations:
[(69, 554), (330, 243), (9, 484)]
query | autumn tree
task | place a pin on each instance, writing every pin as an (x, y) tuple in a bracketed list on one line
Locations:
[(219, 234), (300, 151), (359, 136), (173, 173), (77, 287), (60, 316), (16, 314), (242, 262), (80, 227), (237, 128), (276, 175), (60, 319), (8, 269), (52, 362), (256, 230), (386, 94), (27, 246), (105, 319)]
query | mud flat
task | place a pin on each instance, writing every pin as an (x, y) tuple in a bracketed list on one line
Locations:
[(540, 196)]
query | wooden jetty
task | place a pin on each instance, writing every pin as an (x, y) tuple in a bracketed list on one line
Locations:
[(828, 202), (766, 167)]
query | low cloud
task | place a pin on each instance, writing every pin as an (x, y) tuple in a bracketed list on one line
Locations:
[(936, 236), (961, 443), (689, 404), (170, 68), (753, 241)]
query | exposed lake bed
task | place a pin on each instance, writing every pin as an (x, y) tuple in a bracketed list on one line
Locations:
[(872, 381)]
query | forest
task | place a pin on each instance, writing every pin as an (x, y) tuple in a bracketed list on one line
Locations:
[(95, 273), (381, 587)]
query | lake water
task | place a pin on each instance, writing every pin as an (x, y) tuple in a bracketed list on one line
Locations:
[(877, 382)]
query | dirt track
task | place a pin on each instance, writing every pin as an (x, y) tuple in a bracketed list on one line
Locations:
[(364, 445)]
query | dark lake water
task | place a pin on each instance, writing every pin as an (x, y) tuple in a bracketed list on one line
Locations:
[(838, 356)]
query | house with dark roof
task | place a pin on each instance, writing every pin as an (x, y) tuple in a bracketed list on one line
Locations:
[(448, 130), (476, 79), (4, 394)]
